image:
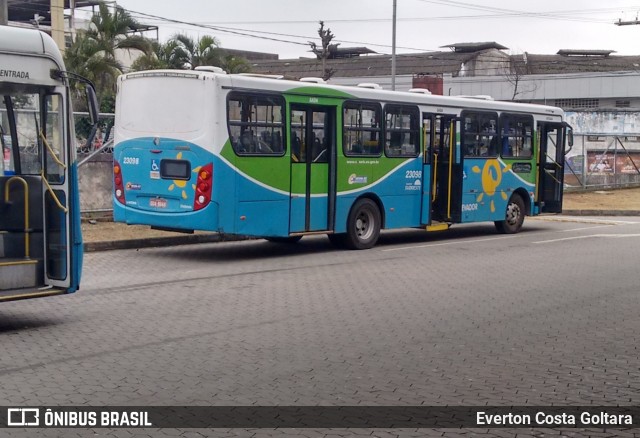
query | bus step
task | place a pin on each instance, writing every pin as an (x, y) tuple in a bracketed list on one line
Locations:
[(18, 273), (438, 226), (30, 292)]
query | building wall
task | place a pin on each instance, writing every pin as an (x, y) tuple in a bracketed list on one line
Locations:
[(609, 87), (95, 179)]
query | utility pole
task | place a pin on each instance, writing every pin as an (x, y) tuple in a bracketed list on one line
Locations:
[(57, 23), (4, 13), (393, 48)]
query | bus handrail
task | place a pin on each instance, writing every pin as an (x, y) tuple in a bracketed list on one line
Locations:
[(51, 192), (50, 149), (27, 230), (451, 157), (435, 176)]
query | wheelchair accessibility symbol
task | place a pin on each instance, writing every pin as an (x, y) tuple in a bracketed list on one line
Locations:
[(155, 170)]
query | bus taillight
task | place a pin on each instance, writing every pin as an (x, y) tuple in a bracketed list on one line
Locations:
[(203, 187), (118, 187)]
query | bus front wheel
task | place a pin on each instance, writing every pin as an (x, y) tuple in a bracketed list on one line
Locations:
[(514, 216), (363, 226)]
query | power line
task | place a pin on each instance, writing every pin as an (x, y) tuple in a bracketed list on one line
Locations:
[(258, 34)]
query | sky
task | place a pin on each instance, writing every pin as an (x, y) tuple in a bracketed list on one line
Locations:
[(285, 27)]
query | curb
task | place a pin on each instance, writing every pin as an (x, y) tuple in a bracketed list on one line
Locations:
[(190, 239), (154, 242), (601, 212)]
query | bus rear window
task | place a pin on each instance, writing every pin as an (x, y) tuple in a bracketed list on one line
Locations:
[(161, 105)]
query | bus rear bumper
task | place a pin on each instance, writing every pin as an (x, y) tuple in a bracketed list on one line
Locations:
[(205, 219)]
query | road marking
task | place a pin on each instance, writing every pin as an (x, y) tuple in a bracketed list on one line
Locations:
[(457, 242), (581, 220), (612, 236), (585, 228)]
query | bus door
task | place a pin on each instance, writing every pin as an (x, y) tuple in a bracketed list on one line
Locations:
[(445, 166), (312, 139), (57, 177), (551, 166), (36, 197)]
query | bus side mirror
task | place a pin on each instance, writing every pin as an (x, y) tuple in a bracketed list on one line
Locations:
[(569, 139), (92, 103)]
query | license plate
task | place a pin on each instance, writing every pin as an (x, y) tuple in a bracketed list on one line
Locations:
[(158, 203)]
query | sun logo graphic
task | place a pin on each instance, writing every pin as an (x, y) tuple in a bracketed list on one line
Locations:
[(181, 184), (491, 179)]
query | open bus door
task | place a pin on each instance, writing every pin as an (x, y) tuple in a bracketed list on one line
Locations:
[(551, 166), (443, 159), (40, 242)]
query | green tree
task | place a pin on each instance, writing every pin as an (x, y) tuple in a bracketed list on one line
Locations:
[(93, 53), (194, 53), (162, 56), (235, 64)]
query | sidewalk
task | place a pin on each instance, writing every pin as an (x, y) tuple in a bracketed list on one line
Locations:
[(101, 235)]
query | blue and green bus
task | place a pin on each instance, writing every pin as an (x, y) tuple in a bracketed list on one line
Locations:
[(40, 238), (280, 159)]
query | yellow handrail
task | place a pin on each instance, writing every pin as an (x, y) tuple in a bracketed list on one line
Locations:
[(53, 154), (55, 198), (26, 209), (451, 157), (435, 175)]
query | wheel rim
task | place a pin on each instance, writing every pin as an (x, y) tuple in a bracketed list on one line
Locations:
[(364, 224), (513, 213)]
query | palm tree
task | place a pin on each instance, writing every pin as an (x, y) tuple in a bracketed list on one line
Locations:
[(112, 31), (204, 51), (235, 64), (86, 58), (93, 54), (163, 56)]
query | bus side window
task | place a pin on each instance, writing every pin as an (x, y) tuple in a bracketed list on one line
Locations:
[(516, 135), (361, 131), (255, 123), (480, 134)]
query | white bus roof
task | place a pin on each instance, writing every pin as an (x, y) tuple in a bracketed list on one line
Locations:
[(22, 52), (243, 81)]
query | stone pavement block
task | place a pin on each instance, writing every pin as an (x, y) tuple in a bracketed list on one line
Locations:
[(233, 324)]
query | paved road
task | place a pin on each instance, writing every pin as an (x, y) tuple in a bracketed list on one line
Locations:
[(465, 317)]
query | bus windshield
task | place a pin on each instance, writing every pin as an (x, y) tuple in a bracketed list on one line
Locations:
[(27, 120)]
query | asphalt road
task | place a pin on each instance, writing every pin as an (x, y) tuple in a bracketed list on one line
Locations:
[(464, 317)]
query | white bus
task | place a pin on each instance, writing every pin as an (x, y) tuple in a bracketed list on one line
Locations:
[(40, 237)]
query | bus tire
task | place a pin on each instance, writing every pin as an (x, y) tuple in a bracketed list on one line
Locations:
[(514, 216), (363, 225), (290, 239)]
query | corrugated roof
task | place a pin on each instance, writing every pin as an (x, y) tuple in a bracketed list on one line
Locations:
[(550, 64), (374, 65), (438, 63)]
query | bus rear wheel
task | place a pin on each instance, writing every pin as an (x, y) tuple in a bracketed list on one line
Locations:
[(514, 216), (363, 226)]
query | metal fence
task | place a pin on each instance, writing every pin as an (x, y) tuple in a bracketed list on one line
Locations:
[(603, 161), (98, 139)]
